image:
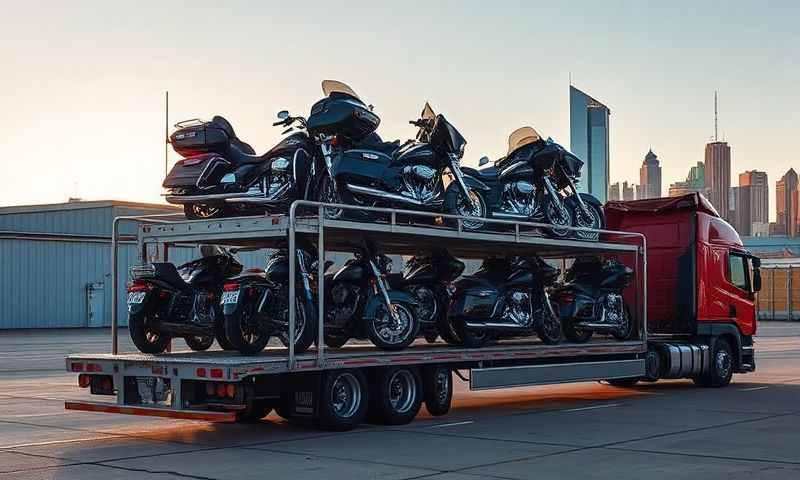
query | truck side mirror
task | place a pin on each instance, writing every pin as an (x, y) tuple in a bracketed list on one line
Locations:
[(483, 161), (756, 279)]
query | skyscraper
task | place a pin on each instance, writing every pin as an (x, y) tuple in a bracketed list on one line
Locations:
[(588, 127), (628, 191), (759, 194), (718, 175), (613, 192), (695, 182), (650, 176), (786, 202)]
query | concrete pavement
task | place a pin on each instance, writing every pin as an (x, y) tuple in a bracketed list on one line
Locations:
[(664, 430)]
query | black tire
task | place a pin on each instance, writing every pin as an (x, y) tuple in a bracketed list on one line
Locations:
[(723, 363), (344, 399), (396, 395), (305, 334), (146, 339), (550, 331), (221, 336), (573, 334), (626, 331), (326, 193), (623, 382), (199, 344), (595, 220), (255, 411), (243, 333), (335, 341), (199, 211), (431, 337), (437, 386), (386, 333), (448, 332), (455, 204), (558, 218), (470, 338)]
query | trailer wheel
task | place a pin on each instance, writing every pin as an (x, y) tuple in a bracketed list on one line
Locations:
[(397, 396), (255, 411), (722, 366), (146, 339), (437, 385), (343, 400)]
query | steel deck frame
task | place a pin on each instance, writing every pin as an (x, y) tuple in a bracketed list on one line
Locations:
[(397, 232)]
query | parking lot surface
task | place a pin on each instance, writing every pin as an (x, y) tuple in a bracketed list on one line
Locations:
[(669, 429)]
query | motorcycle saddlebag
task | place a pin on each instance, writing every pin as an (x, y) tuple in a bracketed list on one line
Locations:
[(198, 138), (198, 171)]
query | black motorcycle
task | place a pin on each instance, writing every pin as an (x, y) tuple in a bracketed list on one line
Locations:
[(166, 301), (428, 277), (535, 182), (591, 300), (222, 176), (359, 303), (506, 297), (256, 304), (361, 169)]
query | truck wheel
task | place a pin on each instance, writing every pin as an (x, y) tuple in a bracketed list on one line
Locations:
[(396, 396), (255, 411), (146, 339), (437, 385), (722, 365), (199, 343), (343, 400), (577, 335), (243, 334), (388, 333)]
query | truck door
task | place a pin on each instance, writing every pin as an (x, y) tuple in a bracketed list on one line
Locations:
[(739, 289)]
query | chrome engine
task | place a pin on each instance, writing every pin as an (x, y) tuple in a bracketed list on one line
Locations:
[(519, 198), (518, 308), (612, 309), (420, 182), (428, 307), (279, 181)]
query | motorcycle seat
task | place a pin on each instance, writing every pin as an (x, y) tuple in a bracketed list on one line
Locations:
[(375, 142), (168, 273)]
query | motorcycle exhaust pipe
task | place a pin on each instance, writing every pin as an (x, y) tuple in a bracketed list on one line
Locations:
[(258, 198), (213, 197), (496, 326), (384, 195)]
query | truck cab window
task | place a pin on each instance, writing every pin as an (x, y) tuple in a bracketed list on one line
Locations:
[(737, 268)]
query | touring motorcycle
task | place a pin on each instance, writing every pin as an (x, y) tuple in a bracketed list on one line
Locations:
[(506, 297), (359, 303), (166, 301), (361, 169), (591, 299), (535, 182), (256, 303), (222, 176), (428, 277)]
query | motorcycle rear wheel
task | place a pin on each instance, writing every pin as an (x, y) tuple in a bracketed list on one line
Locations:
[(199, 343), (146, 339), (573, 334), (625, 332), (550, 331), (304, 332), (199, 211), (244, 338)]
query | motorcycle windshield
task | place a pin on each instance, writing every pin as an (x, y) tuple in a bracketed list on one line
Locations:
[(427, 112), (334, 86), (521, 137)]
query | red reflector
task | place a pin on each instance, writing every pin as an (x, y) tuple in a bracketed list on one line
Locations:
[(216, 373), (94, 367), (106, 384), (230, 287), (84, 380), (221, 390), (77, 367), (139, 287), (200, 372)]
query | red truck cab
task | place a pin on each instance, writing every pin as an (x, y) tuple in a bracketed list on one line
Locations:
[(701, 281)]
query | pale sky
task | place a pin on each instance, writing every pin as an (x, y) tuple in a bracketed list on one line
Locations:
[(82, 83)]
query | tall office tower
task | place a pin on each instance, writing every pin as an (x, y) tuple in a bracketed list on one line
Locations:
[(695, 182), (650, 176), (759, 194), (740, 209), (588, 127), (718, 169), (786, 202)]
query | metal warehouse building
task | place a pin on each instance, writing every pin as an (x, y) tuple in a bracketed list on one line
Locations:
[(55, 262)]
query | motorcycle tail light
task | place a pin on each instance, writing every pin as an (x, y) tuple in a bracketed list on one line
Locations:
[(139, 287), (163, 294), (230, 287), (334, 141)]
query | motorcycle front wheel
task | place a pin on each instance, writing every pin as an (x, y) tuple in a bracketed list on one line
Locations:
[(388, 332), (625, 330), (550, 331), (592, 219), (146, 339), (200, 211), (305, 329), (199, 343), (244, 333), (474, 206), (558, 216)]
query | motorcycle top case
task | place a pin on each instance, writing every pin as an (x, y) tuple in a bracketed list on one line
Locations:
[(201, 138), (187, 173), (341, 114)]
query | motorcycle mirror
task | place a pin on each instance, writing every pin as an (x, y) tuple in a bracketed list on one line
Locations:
[(370, 106), (283, 115), (483, 161)]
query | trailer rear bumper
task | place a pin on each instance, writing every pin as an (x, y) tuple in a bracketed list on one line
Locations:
[(223, 417)]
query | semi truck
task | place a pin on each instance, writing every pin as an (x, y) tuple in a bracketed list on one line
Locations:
[(692, 298)]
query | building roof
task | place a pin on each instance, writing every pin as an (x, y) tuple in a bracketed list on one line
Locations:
[(651, 158), (84, 204), (593, 102)]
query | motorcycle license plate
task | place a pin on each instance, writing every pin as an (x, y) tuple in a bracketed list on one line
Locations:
[(230, 297), (136, 297)]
